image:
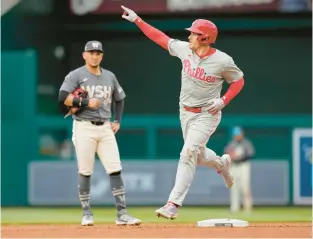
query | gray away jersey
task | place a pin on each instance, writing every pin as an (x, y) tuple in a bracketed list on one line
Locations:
[(243, 148), (104, 87), (202, 79)]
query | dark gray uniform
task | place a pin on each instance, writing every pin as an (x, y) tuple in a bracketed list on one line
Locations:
[(89, 138), (93, 133)]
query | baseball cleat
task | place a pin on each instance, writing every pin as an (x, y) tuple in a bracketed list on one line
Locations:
[(225, 171), (123, 218), (87, 219), (169, 211)]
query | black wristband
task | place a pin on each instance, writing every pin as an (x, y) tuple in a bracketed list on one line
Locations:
[(85, 103), (76, 102)]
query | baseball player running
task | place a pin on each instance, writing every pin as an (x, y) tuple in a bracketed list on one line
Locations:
[(92, 130), (204, 69)]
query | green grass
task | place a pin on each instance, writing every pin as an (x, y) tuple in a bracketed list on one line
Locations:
[(35, 215)]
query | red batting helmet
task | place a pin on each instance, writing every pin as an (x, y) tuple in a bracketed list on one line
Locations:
[(207, 30)]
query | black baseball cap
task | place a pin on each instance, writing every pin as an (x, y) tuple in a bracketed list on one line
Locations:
[(93, 46)]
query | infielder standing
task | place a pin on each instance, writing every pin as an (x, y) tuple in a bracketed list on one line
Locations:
[(241, 151), (203, 71), (92, 130)]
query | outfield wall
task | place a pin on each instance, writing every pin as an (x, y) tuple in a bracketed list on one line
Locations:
[(55, 183)]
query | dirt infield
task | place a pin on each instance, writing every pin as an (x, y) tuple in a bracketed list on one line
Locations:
[(255, 230)]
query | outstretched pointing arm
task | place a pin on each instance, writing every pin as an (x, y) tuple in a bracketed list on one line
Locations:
[(152, 33)]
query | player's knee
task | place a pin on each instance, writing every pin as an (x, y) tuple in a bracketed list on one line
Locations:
[(191, 152), (246, 192), (194, 151)]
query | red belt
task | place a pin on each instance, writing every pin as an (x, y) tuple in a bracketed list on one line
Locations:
[(193, 109)]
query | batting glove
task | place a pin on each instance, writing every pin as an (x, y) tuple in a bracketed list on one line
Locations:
[(129, 14), (216, 105)]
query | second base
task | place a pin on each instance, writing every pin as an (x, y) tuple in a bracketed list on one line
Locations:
[(222, 223)]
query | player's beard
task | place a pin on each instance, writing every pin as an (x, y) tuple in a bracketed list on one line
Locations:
[(95, 66)]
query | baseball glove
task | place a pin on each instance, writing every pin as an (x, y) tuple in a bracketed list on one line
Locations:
[(79, 92)]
